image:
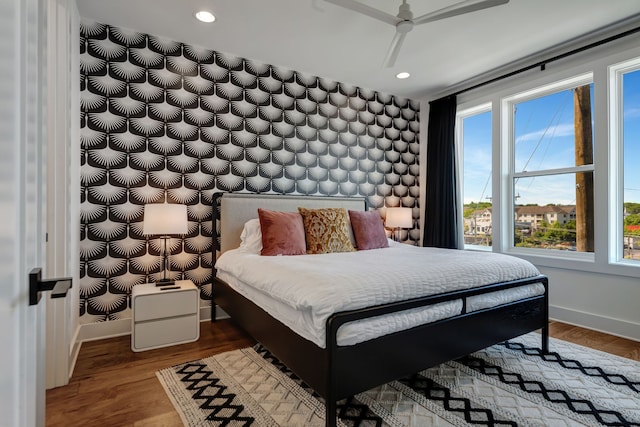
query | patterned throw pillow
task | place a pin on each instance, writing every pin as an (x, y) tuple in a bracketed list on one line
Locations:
[(368, 230), (326, 230)]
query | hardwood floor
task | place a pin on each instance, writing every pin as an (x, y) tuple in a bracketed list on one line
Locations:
[(114, 386), (598, 340)]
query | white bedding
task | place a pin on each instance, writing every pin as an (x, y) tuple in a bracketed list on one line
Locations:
[(303, 291)]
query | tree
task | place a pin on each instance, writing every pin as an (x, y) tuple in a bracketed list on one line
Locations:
[(632, 208), (633, 219), (541, 228), (558, 233)]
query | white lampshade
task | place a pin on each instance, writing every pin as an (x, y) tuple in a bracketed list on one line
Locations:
[(165, 219), (399, 218)]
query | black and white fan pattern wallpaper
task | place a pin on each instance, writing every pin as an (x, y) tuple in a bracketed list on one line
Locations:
[(162, 120)]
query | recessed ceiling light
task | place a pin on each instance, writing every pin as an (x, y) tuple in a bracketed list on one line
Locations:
[(205, 16), (403, 75)]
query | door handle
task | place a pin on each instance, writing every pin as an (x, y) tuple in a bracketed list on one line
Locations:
[(58, 287)]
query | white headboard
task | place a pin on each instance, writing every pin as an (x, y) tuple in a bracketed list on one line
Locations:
[(238, 208)]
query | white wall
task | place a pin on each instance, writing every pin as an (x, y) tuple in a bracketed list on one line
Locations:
[(604, 302), (594, 293)]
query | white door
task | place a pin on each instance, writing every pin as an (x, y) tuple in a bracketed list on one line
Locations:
[(22, 189)]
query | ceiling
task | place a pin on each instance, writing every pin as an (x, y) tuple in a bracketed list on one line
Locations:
[(322, 39)]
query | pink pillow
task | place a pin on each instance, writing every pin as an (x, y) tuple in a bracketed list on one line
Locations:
[(282, 233), (368, 230)]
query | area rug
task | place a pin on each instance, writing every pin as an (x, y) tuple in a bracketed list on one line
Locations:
[(509, 384)]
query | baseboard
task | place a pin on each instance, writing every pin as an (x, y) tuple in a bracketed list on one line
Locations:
[(116, 328), (102, 330), (205, 313), (221, 314), (608, 325), (75, 351)]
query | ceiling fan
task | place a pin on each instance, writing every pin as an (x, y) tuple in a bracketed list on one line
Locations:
[(404, 21)]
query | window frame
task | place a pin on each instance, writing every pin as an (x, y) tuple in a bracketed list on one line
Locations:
[(508, 146), (461, 115), (616, 74), (598, 62)]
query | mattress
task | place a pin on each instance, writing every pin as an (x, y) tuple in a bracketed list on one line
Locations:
[(303, 291)]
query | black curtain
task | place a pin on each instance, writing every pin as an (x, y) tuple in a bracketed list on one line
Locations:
[(441, 212)]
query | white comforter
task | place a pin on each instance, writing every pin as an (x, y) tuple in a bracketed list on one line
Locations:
[(312, 287)]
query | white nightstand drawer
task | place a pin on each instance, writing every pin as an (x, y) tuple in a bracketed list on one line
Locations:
[(163, 332), (164, 317), (167, 304)]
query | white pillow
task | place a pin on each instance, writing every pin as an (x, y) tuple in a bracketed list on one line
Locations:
[(251, 236)]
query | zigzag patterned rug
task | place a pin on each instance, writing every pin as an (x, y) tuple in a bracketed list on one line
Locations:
[(509, 384)]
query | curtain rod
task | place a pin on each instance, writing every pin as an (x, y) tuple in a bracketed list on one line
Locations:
[(542, 64)]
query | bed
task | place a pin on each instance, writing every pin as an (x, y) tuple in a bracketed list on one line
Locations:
[(337, 359)]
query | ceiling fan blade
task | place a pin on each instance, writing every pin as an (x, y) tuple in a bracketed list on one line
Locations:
[(394, 49), (366, 10), (460, 8)]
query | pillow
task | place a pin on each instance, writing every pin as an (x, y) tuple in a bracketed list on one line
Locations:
[(251, 236), (368, 229), (326, 230), (282, 233)]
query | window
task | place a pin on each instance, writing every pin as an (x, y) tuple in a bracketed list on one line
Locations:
[(627, 115), (474, 138), (552, 167), (558, 197)]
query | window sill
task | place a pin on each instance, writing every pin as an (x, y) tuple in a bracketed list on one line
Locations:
[(568, 260), (576, 261), (478, 248)]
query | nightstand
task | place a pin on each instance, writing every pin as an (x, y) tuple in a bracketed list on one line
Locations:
[(163, 316)]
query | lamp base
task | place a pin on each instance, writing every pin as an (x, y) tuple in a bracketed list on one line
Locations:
[(165, 282)]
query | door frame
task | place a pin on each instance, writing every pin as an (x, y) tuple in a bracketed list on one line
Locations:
[(27, 50), (22, 198), (63, 184)]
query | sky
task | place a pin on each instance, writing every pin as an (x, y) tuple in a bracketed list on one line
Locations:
[(544, 134)]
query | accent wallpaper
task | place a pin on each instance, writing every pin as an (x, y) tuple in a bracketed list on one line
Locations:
[(162, 120)]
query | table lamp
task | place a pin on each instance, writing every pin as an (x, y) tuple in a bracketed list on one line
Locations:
[(164, 220), (399, 218)]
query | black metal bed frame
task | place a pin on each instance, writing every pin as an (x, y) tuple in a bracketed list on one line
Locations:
[(337, 372)]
